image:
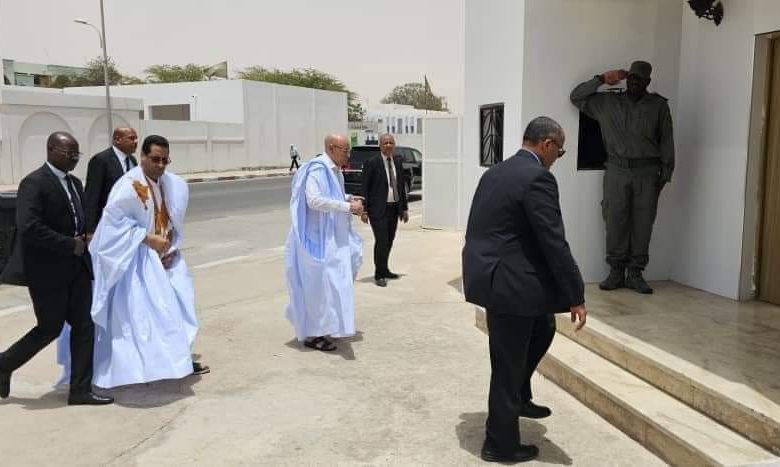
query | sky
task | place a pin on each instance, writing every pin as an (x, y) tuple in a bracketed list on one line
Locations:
[(371, 45)]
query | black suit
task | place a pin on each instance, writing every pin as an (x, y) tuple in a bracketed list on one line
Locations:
[(382, 214), (103, 171), (517, 264), (59, 282)]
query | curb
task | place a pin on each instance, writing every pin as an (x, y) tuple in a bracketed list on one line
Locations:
[(233, 177)]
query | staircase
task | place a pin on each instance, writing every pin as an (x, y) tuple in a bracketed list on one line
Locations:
[(682, 413)]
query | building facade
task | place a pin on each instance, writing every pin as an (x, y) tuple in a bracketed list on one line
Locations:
[(527, 55)]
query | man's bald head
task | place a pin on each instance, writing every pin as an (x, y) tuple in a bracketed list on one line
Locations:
[(126, 139), (62, 151), (337, 148), (57, 138)]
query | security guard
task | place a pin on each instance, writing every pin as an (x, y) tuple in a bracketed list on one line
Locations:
[(637, 131)]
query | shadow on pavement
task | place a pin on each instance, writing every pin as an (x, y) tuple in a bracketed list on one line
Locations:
[(344, 346), (471, 433), (153, 395)]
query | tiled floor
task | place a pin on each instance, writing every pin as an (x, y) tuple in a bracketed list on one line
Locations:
[(730, 346)]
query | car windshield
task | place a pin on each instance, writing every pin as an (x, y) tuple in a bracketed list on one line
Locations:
[(359, 155)]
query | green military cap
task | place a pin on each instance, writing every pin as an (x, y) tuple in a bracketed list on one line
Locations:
[(641, 69)]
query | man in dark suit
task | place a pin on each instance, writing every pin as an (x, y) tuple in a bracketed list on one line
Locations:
[(517, 264), (104, 170), (50, 256), (385, 193)]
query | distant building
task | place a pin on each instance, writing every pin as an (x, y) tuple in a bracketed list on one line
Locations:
[(404, 122), (35, 74)]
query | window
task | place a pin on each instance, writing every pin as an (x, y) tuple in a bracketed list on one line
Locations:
[(417, 155), (400, 125), (491, 130), (419, 126), (169, 112), (591, 154)]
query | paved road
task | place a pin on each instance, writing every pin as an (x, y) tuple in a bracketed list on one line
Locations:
[(213, 200), (233, 219)]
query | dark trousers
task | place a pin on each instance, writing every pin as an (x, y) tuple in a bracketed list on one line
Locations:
[(629, 208), (294, 163), (69, 301), (384, 228), (517, 344)]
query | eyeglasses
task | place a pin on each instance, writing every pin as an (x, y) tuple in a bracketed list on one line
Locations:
[(561, 151), (70, 154), (160, 159)]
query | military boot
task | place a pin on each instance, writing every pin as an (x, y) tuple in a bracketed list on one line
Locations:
[(615, 280), (635, 281)]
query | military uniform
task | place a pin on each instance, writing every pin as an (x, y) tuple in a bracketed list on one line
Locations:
[(640, 160)]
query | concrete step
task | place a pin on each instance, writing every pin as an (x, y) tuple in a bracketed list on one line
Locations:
[(732, 403), (676, 432)]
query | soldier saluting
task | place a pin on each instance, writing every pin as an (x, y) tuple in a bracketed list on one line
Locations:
[(637, 131)]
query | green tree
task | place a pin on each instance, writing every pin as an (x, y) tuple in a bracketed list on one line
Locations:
[(93, 75), (307, 78), (177, 74), (418, 95)]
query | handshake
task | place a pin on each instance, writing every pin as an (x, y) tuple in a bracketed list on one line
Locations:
[(356, 205), (357, 208), (613, 77)]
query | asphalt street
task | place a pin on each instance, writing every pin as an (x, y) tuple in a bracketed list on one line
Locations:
[(234, 219), (231, 220)]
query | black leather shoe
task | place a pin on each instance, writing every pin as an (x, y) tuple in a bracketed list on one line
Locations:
[(391, 275), (5, 384), (615, 280), (381, 282), (89, 398), (635, 281), (524, 453), (530, 410)]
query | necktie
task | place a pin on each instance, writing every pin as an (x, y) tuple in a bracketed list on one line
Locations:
[(75, 204), (393, 183), (127, 164)]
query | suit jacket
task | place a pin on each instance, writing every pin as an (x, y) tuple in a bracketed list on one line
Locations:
[(375, 186), (103, 171), (516, 259), (43, 245)]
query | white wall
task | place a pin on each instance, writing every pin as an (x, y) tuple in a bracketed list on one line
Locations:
[(210, 101), (712, 137), (29, 115), (274, 116), (530, 55), (493, 73), (441, 166), (569, 41), (201, 146), (278, 116)]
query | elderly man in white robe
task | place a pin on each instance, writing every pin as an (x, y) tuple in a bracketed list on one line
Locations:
[(143, 301), (323, 252)]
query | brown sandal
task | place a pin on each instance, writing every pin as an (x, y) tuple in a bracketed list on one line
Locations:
[(320, 343)]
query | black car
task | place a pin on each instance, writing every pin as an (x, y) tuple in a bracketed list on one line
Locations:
[(353, 174)]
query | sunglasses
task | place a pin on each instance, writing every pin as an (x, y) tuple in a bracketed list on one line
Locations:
[(159, 159)]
